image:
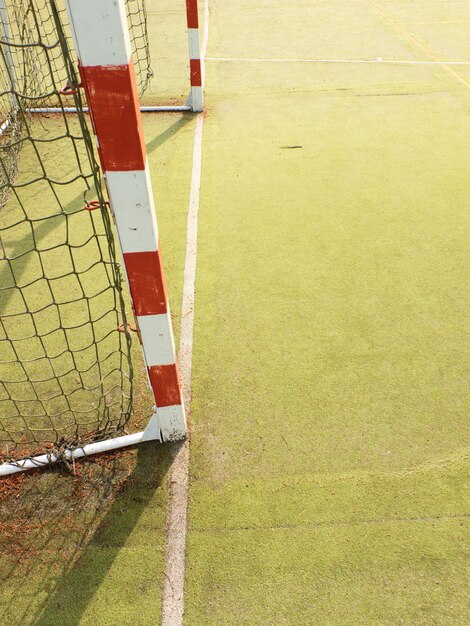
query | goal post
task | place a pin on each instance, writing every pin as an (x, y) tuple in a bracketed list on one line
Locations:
[(5, 34), (107, 74), (106, 79), (195, 71)]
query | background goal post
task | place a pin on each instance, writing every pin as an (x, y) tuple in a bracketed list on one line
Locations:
[(195, 100)]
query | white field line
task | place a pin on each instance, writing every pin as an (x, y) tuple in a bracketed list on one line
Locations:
[(176, 529), (378, 60)]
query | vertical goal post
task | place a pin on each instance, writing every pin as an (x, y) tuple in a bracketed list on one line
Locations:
[(195, 69), (5, 34), (102, 43), (106, 70)]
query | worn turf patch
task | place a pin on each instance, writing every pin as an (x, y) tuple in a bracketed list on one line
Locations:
[(388, 573)]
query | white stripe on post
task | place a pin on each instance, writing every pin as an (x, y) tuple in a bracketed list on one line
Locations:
[(193, 41), (169, 422), (100, 31), (107, 74), (197, 99), (158, 345), (130, 194)]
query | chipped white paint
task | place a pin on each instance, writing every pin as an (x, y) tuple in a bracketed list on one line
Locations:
[(100, 33), (132, 203)]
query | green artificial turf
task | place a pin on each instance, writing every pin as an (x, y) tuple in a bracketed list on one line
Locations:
[(329, 453), (329, 431)]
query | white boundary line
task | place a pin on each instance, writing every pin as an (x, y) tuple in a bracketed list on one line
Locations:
[(378, 60), (178, 475)]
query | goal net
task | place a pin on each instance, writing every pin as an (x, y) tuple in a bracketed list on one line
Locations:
[(66, 375)]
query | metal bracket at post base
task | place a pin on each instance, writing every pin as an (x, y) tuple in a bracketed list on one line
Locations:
[(161, 427), (165, 425)]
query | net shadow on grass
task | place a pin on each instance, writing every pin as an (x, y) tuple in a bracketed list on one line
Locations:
[(43, 230), (64, 532)]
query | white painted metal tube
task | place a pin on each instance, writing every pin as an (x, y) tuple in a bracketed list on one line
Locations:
[(77, 453), (195, 69), (107, 71), (143, 109), (10, 65)]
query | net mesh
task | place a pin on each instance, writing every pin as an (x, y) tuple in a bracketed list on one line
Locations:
[(65, 368), (137, 21)]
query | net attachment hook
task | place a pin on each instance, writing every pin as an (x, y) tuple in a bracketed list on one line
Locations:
[(93, 205), (129, 327), (70, 89)]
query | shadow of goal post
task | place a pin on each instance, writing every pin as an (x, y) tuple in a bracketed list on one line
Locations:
[(106, 68)]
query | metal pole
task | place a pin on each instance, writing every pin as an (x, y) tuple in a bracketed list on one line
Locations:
[(107, 73), (44, 460), (10, 66), (194, 55), (143, 109)]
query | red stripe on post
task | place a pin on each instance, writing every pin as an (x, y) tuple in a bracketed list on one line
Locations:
[(112, 96), (191, 14), (165, 384), (146, 282), (196, 76)]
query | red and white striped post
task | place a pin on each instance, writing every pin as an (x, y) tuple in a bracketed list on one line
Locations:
[(106, 69), (194, 55)]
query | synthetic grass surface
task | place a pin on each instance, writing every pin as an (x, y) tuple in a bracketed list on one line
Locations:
[(329, 458), (329, 454)]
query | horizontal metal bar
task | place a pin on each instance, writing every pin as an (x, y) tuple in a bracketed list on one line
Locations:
[(152, 109), (144, 109), (77, 453)]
